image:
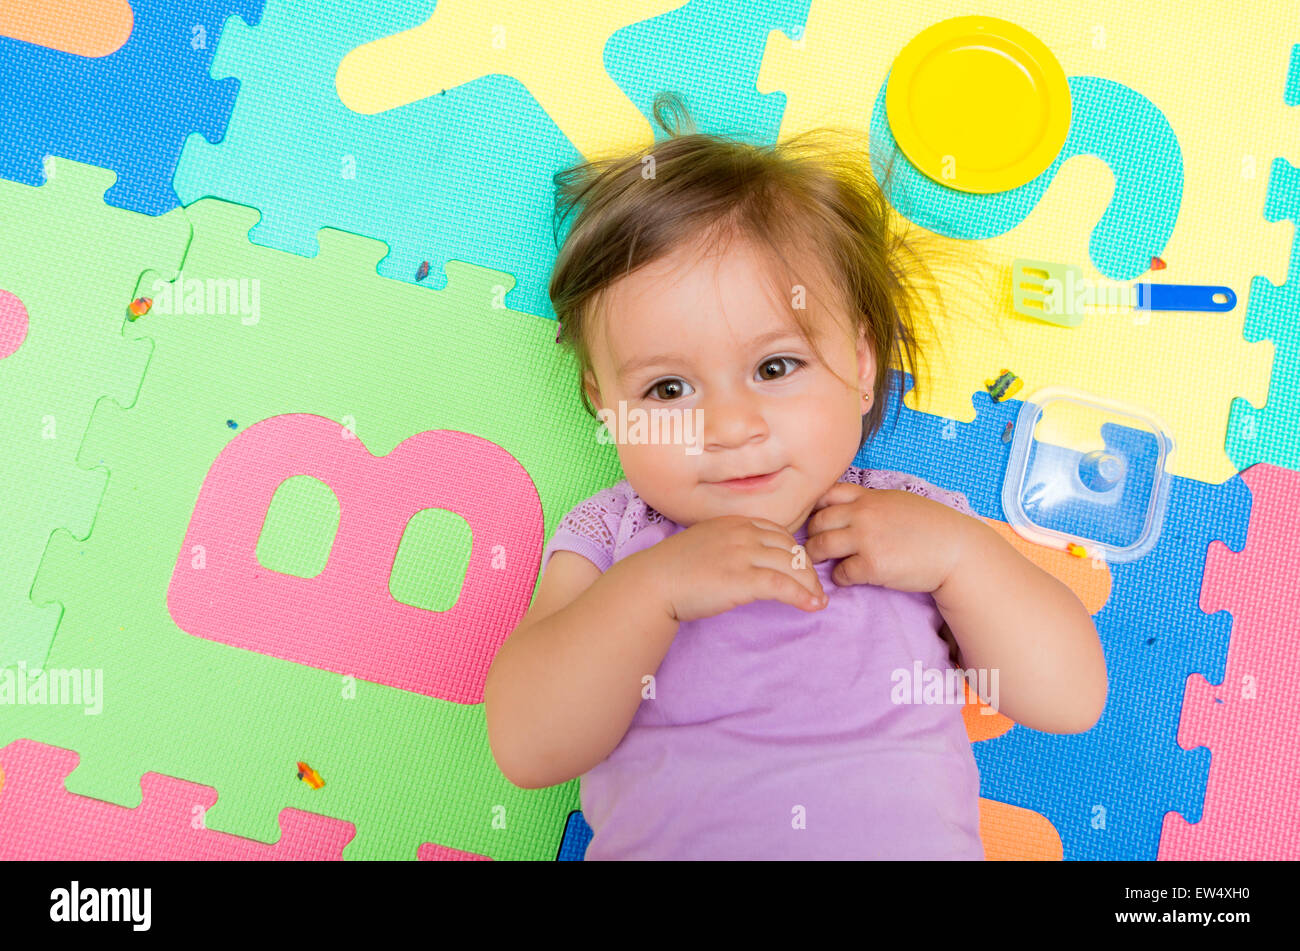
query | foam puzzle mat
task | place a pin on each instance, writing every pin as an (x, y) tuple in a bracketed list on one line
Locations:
[(269, 534)]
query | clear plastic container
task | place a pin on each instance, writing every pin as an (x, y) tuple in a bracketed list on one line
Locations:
[(1090, 471)]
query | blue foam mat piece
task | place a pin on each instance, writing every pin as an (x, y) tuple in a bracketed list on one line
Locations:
[(1106, 791), (130, 111), (577, 836)]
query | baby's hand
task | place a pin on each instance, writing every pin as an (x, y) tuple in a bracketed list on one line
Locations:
[(887, 537), (721, 563)]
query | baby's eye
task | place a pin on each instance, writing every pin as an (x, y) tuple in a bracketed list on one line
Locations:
[(776, 362), (674, 386)]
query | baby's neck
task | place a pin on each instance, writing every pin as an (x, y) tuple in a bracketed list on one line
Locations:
[(801, 523)]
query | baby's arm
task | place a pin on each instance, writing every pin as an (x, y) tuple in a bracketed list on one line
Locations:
[(564, 687), (1009, 614)]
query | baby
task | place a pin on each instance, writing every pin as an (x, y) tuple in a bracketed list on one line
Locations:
[(724, 645)]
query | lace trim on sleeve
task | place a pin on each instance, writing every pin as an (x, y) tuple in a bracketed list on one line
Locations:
[(638, 516), (609, 515), (597, 518), (890, 479), (598, 526)]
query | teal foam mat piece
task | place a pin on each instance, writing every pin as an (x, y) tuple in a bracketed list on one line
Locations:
[(1272, 434), (1292, 95), (729, 35), (1118, 125), (462, 175), (440, 179)]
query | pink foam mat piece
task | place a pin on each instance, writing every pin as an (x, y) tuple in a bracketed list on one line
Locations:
[(429, 852), (345, 619), (1251, 723), (41, 820), (13, 323)]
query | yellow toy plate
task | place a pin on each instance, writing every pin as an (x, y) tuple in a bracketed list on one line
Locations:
[(978, 104)]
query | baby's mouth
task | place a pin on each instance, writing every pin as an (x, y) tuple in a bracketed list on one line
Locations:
[(751, 482)]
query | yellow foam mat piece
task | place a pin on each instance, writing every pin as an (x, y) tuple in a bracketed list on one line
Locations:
[(558, 58), (1218, 77)]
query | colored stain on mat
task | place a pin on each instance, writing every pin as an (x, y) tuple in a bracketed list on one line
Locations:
[(1004, 387), (309, 776), (232, 424)]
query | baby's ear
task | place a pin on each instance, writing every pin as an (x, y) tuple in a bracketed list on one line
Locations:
[(592, 390), (866, 359)]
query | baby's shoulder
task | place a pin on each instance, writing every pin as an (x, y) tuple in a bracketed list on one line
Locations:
[(907, 482)]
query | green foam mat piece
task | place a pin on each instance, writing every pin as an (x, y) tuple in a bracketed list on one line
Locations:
[(73, 262), (389, 359)]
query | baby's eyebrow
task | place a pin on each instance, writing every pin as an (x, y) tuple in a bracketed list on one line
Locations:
[(641, 363)]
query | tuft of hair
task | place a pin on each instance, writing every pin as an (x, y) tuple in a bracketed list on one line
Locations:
[(810, 205)]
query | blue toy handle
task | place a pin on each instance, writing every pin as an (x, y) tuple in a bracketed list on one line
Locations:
[(1184, 297)]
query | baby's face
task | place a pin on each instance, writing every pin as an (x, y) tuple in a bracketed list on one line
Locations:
[(719, 344)]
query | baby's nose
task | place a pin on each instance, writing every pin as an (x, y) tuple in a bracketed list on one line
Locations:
[(733, 421)]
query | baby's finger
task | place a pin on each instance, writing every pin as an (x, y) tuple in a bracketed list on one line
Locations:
[(788, 563), (831, 516), (802, 562), (769, 584), (835, 543), (773, 535), (855, 569), (815, 581), (768, 526), (838, 493)]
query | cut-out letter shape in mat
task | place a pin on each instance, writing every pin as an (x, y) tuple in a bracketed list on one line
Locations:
[(466, 39), (834, 74), (666, 52), (1249, 719), (345, 619)]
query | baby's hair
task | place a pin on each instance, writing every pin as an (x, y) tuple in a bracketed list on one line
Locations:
[(815, 193)]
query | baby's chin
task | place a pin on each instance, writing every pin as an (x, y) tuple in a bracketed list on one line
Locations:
[(782, 511)]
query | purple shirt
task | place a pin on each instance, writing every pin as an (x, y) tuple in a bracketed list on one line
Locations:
[(772, 733)]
